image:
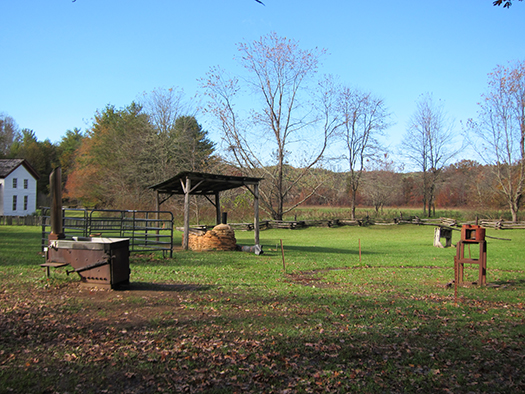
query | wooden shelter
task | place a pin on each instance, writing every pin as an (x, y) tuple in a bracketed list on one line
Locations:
[(187, 183)]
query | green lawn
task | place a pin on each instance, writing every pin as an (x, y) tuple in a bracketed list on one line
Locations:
[(226, 322)]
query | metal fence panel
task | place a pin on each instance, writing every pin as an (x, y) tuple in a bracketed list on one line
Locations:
[(147, 231)]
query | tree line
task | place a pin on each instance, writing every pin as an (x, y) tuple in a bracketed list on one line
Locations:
[(126, 150), (282, 120)]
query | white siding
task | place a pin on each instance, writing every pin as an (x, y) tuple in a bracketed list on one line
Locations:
[(1, 197), (20, 174)]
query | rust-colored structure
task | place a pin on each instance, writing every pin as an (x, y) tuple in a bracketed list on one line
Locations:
[(100, 262), (471, 235)]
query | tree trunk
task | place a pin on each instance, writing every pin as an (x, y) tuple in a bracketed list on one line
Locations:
[(514, 208), (430, 203), (352, 203)]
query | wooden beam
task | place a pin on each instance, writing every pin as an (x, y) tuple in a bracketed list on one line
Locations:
[(195, 187)]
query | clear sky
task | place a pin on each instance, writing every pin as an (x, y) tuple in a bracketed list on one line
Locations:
[(62, 60)]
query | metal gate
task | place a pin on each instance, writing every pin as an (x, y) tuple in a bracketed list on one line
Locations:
[(148, 231)]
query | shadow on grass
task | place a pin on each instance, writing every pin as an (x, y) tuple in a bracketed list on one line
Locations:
[(514, 283), (321, 249), (255, 345), (148, 286)]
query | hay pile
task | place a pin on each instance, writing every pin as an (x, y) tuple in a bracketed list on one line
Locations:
[(221, 237)]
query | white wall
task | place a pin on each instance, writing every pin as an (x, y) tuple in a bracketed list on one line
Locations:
[(20, 192), (1, 197)]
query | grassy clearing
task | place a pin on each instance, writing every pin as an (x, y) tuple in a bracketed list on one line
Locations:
[(225, 322)]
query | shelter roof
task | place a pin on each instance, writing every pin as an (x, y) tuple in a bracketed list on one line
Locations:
[(203, 183), (7, 166)]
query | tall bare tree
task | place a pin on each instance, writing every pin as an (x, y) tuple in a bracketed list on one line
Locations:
[(163, 107), (428, 143), (364, 118), (500, 129), (9, 133), (283, 127), (382, 183)]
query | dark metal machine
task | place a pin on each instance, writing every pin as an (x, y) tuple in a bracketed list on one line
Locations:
[(100, 262)]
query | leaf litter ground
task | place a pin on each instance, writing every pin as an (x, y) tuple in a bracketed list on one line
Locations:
[(375, 337)]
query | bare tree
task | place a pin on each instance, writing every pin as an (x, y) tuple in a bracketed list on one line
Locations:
[(364, 118), (163, 107), (382, 183), (500, 129), (428, 144), (8, 134), (268, 140)]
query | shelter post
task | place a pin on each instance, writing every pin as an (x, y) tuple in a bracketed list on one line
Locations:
[(186, 235), (256, 212), (218, 208)]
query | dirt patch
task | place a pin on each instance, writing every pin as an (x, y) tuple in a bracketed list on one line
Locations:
[(306, 278), (136, 304)]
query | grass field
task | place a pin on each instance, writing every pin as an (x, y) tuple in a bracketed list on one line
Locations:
[(326, 320)]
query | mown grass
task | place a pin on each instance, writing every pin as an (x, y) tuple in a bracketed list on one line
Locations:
[(328, 319)]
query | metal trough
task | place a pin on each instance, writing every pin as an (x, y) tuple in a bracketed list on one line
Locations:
[(100, 262)]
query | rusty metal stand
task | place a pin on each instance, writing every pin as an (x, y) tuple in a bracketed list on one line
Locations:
[(47, 266), (460, 261)]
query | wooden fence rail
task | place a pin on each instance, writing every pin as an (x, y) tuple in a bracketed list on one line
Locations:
[(294, 224), (20, 220)]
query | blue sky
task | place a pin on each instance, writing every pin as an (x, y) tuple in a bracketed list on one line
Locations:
[(62, 60)]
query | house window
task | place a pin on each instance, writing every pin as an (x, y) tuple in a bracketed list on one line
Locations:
[(26, 183), (15, 183), (14, 203), (26, 199)]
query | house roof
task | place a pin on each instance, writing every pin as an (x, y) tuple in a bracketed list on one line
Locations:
[(7, 166), (202, 183)]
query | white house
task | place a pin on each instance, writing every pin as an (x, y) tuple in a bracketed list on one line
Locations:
[(17, 187)]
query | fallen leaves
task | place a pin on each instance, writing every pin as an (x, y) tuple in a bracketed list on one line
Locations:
[(189, 342)]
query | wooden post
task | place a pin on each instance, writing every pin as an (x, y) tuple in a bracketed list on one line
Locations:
[(456, 280), (282, 253), (256, 213), (186, 235), (55, 183), (217, 209), (157, 206)]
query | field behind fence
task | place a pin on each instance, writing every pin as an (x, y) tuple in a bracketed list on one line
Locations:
[(38, 220), (20, 220)]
